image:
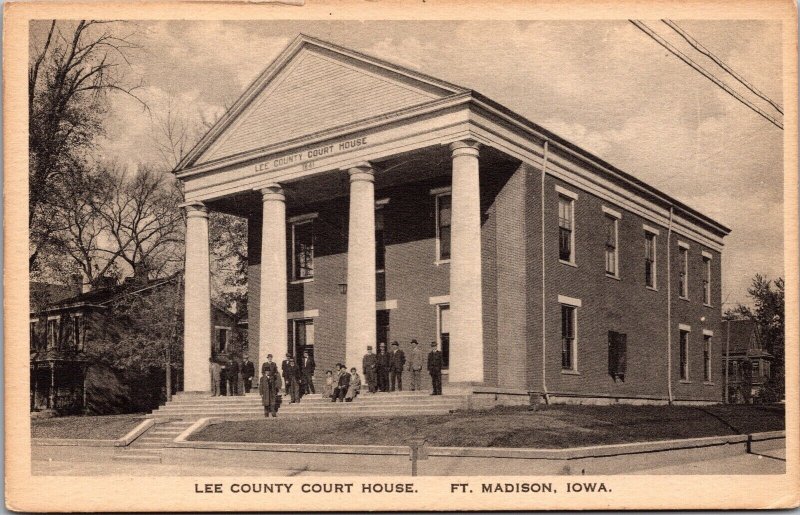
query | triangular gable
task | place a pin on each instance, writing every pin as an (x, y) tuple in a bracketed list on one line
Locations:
[(314, 86)]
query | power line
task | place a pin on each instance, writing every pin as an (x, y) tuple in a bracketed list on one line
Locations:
[(703, 50), (683, 57)]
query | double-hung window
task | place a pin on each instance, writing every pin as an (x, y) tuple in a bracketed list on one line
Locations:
[(33, 334), (569, 333), (650, 259), (707, 358), (443, 220), (222, 337), (566, 229), (683, 278), (53, 332), (611, 226), (380, 241), (706, 279), (684, 354), (303, 249)]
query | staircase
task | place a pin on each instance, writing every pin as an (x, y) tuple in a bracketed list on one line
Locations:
[(147, 448), (193, 406)]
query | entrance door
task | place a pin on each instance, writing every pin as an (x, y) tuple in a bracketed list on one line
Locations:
[(382, 329), (303, 338)]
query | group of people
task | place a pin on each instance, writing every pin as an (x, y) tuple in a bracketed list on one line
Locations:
[(232, 377), (383, 373)]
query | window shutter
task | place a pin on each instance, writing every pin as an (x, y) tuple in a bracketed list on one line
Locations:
[(617, 355)]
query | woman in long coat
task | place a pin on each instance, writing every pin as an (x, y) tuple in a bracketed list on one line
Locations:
[(268, 387)]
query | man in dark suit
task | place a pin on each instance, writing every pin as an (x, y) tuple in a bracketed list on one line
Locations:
[(307, 368), (269, 386), (284, 366), (397, 362), (370, 367), (248, 371), (292, 379), (435, 363), (382, 368), (344, 384), (232, 376)]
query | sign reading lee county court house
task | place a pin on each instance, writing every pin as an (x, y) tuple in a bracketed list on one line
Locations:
[(307, 157)]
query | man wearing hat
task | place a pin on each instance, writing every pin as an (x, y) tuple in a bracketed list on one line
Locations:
[(268, 387), (435, 364), (369, 366), (284, 371), (248, 371), (292, 379), (396, 364), (415, 366)]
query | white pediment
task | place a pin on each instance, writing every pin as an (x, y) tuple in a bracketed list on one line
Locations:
[(314, 87)]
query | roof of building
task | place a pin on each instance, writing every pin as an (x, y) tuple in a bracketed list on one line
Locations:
[(741, 337), (101, 297), (450, 91)]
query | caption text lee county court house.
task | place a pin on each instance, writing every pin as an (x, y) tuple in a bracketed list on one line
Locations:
[(383, 205)]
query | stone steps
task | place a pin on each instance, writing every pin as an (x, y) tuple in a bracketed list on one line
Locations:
[(195, 406)]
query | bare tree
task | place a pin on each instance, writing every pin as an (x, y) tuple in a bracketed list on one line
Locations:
[(71, 71), (142, 220)]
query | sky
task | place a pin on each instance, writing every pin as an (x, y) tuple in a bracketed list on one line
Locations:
[(604, 85)]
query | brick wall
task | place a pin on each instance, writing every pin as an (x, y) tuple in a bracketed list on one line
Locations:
[(623, 305)]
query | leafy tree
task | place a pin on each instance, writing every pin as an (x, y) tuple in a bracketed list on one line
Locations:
[(768, 313), (73, 67), (141, 331)]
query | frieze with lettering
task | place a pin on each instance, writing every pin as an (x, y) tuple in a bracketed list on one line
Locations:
[(307, 157)]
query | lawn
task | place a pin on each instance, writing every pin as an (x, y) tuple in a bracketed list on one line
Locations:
[(552, 427), (108, 427)]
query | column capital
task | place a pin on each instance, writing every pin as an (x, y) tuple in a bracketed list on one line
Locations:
[(465, 147), (361, 172), (195, 209), (272, 191)]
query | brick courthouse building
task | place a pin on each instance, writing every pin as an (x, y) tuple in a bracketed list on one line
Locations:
[(384, 204)]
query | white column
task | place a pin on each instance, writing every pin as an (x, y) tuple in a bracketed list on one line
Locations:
[(466, 312), (272, 329), (360, 328), (197, 302)]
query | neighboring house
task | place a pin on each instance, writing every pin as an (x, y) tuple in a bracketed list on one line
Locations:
[(748, 363), (63, 374), (384, 204)]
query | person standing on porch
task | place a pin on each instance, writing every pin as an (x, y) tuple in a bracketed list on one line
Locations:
[(369, 366), (307, 368), (285, 372), (215, 370), (269, 365), (415, 366), (268, 387), (435, 364), (396, 364), (248, 371), (232, 376), (382, 368), (292, 379)]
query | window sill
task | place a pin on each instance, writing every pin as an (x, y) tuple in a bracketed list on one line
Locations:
[(651, 288), (613, 276), (301, 281), (708, 305), (441, 262), (570, 372), (684, 298), (380, 271), (568, 263), (709, 383), (684, 381)]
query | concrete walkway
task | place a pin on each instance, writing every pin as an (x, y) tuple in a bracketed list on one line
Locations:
[(68, 461)]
